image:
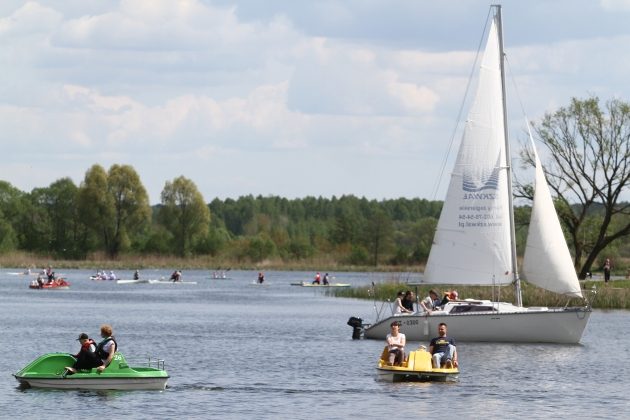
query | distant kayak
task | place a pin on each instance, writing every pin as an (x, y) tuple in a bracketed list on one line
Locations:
[(130, 281), (307, 284), (171, 282), (255, 283)]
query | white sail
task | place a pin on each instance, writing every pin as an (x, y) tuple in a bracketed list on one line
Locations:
[(547, 262), (472, 241)]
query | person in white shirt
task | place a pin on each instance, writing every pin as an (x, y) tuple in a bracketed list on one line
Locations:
[(396, 345)]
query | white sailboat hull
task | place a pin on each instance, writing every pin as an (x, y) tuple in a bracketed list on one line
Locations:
[(562, 326)]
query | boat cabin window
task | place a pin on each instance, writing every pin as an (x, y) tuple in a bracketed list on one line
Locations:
[(460, 309)]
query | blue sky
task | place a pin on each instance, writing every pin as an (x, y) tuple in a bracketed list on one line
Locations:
[(279, 97)]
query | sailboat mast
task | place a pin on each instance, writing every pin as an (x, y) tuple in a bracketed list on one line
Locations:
[(508, 161)]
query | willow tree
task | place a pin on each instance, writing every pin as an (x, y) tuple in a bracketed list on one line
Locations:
[(115, 204), (588, 169), (184, 214)]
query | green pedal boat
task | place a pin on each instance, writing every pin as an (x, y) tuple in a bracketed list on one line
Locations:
[(48, 371)]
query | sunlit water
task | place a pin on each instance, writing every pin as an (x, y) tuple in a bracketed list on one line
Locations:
[(237, 350)]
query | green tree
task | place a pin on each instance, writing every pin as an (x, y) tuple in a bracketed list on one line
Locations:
[(54, 222), (589, 166), (184, 214), (378, 234), (12, 206), (115, 204)]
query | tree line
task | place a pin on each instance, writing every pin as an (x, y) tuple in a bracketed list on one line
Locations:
[(109, 212)]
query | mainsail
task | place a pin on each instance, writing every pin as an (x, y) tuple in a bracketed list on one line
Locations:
[(472, 241)]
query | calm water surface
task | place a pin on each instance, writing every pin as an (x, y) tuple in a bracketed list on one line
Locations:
[(237, 350)]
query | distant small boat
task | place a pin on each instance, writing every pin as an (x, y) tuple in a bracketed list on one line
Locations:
[(23, 273), (171, 282), (131, 281), (416, 368), (307, 284), (57, 283)]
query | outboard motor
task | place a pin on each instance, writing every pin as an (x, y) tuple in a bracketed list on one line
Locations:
[(357, 327)]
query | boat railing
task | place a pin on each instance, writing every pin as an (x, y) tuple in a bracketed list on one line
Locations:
[(148, 361), (383, 308)]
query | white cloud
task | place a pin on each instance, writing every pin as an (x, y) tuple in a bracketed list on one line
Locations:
[(224, 84)]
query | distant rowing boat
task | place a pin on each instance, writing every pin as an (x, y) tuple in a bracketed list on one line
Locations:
[(153, 281), (307, 284), (171, 282)]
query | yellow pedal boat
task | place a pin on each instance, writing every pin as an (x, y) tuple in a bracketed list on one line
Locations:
[(417, 367)]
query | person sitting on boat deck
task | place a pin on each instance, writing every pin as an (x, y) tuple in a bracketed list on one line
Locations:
[(261, 278), (317, 279), (398, 306), (86, 357), (326, 282), (40, 281), (429, 303), (443, 350), (449, 296), (408, 301), (105, 349), (396, 345), (136, 275), (176, 276)]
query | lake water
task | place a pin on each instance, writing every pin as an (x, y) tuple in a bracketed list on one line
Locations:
[(237, 350)]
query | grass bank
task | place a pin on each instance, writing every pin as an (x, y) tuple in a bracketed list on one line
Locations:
[(613, 295), (96, 261)]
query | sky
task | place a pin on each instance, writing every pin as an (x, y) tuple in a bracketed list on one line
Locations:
[(280, 97)]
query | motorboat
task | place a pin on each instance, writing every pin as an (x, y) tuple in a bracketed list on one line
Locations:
[(417, 367), (49, 371), (57, 283)]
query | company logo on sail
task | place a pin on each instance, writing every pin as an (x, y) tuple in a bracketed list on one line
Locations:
[(479, 184), (484, 182)]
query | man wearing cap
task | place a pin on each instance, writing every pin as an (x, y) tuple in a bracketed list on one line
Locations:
[(396, 344), (86, 358)]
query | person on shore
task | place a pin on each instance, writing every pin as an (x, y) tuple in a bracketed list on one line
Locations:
[(607, 268), (429, 303), (106, 349), (399, 308), (396, 345), (443, 350), (86, 357)]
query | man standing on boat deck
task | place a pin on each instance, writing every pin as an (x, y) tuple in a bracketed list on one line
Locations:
[(443, 350)]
